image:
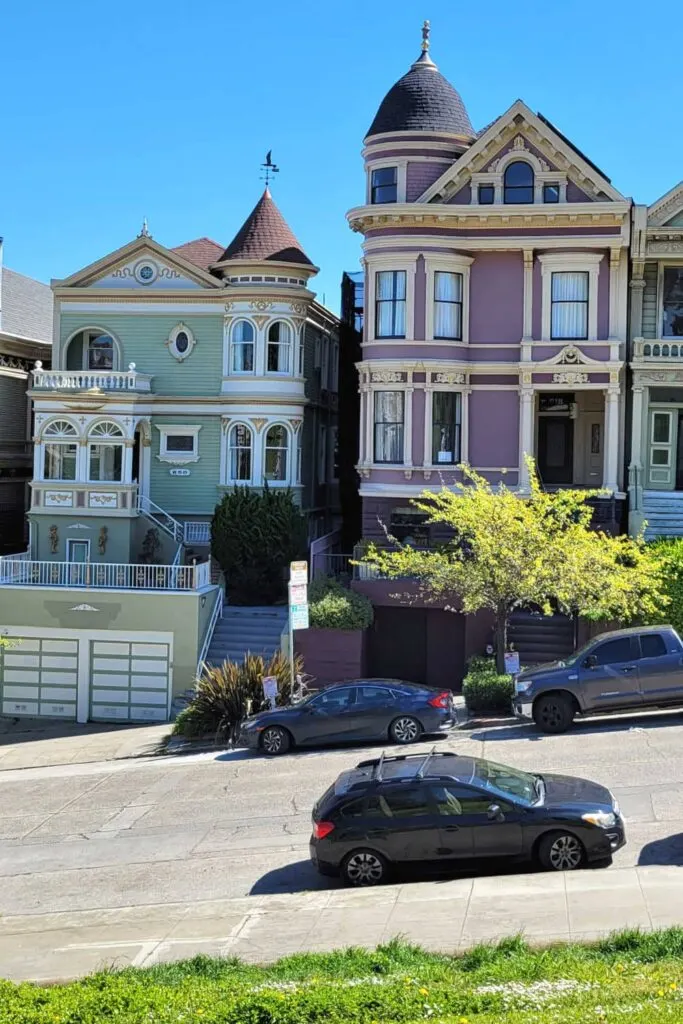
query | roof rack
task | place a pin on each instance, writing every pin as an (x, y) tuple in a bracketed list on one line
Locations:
[(377, 764), (423, 767)]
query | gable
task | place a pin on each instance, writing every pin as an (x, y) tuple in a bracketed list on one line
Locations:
[(147, 273), (535, 139), (142, 265), (667, 211), (676, 221)]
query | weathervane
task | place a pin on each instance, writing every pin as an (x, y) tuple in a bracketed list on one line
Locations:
[(144, 233), (425, 36), (269, 168)]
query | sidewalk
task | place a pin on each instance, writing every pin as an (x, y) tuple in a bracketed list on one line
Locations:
[(36, 743), (447, 916)]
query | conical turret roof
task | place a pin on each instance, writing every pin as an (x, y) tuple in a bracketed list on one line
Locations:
[(265, 235)]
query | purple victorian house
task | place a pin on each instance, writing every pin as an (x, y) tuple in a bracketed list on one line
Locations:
[(496, 293)]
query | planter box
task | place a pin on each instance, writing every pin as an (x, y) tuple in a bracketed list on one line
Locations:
[(331, 655)]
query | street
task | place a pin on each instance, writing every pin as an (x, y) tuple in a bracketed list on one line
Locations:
[(110, 857)]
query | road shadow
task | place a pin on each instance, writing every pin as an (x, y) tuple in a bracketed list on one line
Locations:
[(30, 730), (298, 877), (666, 851), (630, 722)]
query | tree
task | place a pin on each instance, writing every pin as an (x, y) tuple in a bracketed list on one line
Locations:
[(509, 551), (254, 536)]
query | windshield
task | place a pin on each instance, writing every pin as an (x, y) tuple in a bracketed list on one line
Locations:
[(508, 781), (578, 655)]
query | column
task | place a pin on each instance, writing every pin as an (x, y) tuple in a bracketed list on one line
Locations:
[(527, 331), (127, 477), (636, 465), (526, 434), (610, 468), (614, 265), (465, 425), (368, 454), (38, 451), (429, 412), (637, 287), (408, 428)]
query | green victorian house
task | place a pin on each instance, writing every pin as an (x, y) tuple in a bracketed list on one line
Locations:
[(176, 373)]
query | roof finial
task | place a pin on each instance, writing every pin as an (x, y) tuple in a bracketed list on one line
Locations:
[(425, 36), (144, 233), (269, 169), (424, 60)]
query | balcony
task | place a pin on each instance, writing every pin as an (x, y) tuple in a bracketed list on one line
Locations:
[(91, 380), (667, 353), (20, 571)]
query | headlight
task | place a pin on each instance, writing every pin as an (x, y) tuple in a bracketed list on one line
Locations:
[(602, 819), (523, 687)]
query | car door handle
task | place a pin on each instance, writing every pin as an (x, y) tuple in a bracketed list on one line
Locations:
[(452, 828), (629, 668)]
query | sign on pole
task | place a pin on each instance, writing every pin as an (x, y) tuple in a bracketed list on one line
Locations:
[(298, 606), (270, 689), (298, 593), (299, 616), (298, 573)]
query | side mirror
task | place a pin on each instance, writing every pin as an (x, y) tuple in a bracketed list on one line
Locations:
[(494, 813), (590, 661)]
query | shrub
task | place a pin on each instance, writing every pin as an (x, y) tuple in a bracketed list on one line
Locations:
[(254, 536), (225, 694), (332, 606), (485, 690), (669, 551)]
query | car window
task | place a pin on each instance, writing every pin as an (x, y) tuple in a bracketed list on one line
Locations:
[(457, 800), (501, 778), (652, 645), (401, 802), (372, 695), (333, 699), (613, 651), (353, 809)]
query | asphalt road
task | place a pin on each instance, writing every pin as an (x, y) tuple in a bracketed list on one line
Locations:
[(138, 832)]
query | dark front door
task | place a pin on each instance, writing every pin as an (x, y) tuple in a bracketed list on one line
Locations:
[(556, 449), (679, 453), (397, 644)]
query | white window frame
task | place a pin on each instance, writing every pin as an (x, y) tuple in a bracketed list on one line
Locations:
[(669, 264), (455, 264), (401, 165), (62, 438), (569, 262), (666, 471), (167, 430), (407, 388), (229, 478), (102, 440), (172, 338), (496, 177), (289, 448), (290, 346), (232, 343), (383, 262), (429, 426)]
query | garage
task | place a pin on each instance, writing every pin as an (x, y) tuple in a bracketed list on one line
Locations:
[(86, 675)]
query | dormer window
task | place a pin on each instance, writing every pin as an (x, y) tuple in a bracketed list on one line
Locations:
[(551, 193), (384, 185), (487, 195), (518, 183)]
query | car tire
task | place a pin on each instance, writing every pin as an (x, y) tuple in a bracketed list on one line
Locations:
[(275, 741), (554, 713), (363, 868), (405, 729), (561, 851)]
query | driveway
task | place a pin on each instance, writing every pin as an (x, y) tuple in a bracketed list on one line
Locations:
[(83, 843)]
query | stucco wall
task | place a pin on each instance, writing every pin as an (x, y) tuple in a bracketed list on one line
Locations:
[(118, 541)]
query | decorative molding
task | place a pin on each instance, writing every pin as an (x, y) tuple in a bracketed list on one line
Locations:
[(387, 377), (102, 499), (54, 539), (259, 423), (659, 376), (299, 307), (570, 377), (14, 363), (449, 378), (102, 540), (228, 306), (84, 608), (58, 499), (260, 321), (296, 424), (518, 146), (260, 305), (664, 247)]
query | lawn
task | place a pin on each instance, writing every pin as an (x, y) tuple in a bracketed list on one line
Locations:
[(631, 977)]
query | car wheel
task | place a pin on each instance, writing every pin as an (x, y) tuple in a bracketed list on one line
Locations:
[(561, 851), (364, 867), (405, 729), (275, 740), (554, 713)]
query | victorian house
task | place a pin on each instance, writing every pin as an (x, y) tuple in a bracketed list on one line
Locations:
[(496, 273), (177, 373), (656, 360)]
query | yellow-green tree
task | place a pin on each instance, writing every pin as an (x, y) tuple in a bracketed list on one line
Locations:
[(512, 550)]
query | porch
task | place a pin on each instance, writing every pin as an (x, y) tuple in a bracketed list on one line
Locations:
[(21, 571)]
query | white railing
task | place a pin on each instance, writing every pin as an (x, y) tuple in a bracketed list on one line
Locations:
[(322, 546), (105, 380), (103, 576), (657, 349), (178, 555), (197, 533), (216, 614), (161, 518)]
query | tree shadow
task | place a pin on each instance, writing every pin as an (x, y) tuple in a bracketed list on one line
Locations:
[(637, 721), (666, 851)]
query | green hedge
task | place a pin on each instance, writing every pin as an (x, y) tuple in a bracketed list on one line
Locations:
[(332, 606), (484, 690), (670, 550)]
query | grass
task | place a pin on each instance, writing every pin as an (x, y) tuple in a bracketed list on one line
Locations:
[(631, 977)]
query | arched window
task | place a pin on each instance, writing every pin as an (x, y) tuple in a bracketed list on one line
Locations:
[(239, 453), (61, 451), (519, 182), (91, 350), (277, 444), (243, 347), (278, 359), (105, 452)]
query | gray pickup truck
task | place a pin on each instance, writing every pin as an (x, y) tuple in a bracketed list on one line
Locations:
[(626, 670)]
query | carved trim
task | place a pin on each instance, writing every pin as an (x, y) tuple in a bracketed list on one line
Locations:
[(570, 377)]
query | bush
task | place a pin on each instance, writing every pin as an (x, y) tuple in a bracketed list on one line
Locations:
[(227, 693), (669, 550), (332, 606), (254, 537), (484, 690)]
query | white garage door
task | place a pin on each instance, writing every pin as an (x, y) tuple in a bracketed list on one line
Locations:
[(39, 677), (129, 681)]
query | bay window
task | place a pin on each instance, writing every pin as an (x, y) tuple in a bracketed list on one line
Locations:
[(60, 451), (390, 304), (239, 447), (242, 347), (276, 448), (569, 305), (447, 305), (105, 453), (389, 414), (672, 302), (446, 427), (279, 348)]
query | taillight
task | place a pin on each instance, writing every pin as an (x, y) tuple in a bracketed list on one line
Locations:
[(322, 829), (442, 700)]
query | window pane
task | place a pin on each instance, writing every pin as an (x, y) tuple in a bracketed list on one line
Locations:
[(569, 320), (660, 457), (388, 407), (384, 188), (180, 442), (106, 462), (445, 427), (673, 302), (652, 645), (570, 286), (100, 353), (486, 195), (60, 461), (661, 425), (384, 176), (551, 193), (243, 331), (243, 358), (447, 286), (614, 651), (519, 173), (407, 803)]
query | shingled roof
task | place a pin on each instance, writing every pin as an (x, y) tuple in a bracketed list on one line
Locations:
[(265, 235), (423, 100), (201, 251), (26, 307)]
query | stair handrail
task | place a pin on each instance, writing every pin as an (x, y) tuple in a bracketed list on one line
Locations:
[(216, 614), (152, 510)]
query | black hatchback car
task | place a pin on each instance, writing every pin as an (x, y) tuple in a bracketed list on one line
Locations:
[(369, 709), (444, 808)]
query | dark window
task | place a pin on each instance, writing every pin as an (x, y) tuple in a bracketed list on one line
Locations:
[(445, 428), (403, 802), (180, 443), (652, 645), (614, 651), (333, 699), (390, 304), (389, 426), (384, 185), (367, 695), (409, 527), (519, 183), (459, 800), (672, 302), (486, 195), (551, 193), (181, 342), (354, 809), (447, 305)]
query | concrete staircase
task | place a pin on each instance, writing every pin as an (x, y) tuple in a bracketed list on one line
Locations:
[(663, 511), (243, 629)]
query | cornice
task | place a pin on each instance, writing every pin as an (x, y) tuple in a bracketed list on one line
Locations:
[(443, 215)]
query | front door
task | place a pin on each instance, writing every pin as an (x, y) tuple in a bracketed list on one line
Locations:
[(403, 822), (470, 829), (327, 718), (78, 553), (660, 670), (556, 449), (611, 680), (372, 711)]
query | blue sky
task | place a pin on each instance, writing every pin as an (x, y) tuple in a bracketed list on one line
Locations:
[(112, 112)]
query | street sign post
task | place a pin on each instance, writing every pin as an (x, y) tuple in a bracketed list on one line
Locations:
[(270, 689), (298, 606)]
